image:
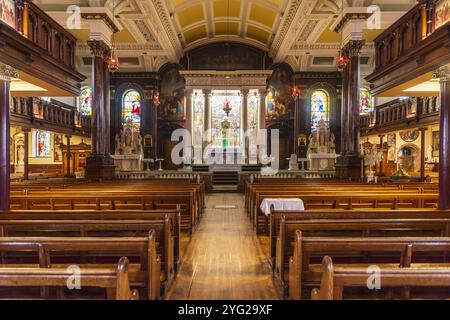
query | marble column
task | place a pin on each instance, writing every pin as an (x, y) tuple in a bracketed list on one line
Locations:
[(207, 125), (348, 165), (244, 93), (189, 114), (26, 147), (422, 154), (68, 155), (443, 74), (6, 73), (100, 165), (106, 106), (344, 111), (296, 124), (262, 108)]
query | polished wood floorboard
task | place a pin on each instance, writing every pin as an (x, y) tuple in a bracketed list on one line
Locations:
[(223, 259)]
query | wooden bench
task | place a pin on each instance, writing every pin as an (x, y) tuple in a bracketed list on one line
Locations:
[(115, 281), (335, 279)]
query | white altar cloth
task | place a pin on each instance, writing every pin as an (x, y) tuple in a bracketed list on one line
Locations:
[(281, 204)]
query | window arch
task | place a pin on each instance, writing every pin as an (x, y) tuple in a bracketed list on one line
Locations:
[(85, 101), (320, 107), (365, 101), (131, 108), (42, 144)]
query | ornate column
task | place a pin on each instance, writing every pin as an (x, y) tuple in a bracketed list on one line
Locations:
[(207, 97), (244, 128), (106, 105), (100, 165), (262, 108), (443, 74), (344, 111), (6, 73), (26, 147), (68, 155), (296, 123)]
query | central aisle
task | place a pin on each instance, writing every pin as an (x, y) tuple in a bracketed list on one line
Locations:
[(224, 259)]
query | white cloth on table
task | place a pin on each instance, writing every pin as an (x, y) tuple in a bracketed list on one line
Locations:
[(282, 204)]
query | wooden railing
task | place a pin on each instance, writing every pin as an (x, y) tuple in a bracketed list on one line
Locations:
[(399, 110), (41, 29), (51, 112), (406, 33)]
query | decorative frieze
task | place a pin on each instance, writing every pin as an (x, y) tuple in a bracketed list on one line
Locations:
[(218, 79), (99, 49), (443, 74), (353, 48), (7, 72)]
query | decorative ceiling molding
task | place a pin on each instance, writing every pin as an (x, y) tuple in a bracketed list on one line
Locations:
[(101, 16), (226, 79)]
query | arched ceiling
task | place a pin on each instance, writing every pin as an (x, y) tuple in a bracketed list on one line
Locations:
[(202, 21)]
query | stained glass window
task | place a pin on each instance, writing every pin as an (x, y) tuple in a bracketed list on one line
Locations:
[(226, 134), (365, 101), (199, 117), (320, 105), (252, 111), (85, 102), (131, 108), (42, 144)]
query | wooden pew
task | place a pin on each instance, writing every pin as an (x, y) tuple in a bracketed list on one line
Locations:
[(114, 280), (360, 252), (335, 279), (352, 228), (99, 228), (57, 252)]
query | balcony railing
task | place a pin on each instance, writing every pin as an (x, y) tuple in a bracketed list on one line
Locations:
[(39, 111), (399, 111), (406, 33), (34, 24)]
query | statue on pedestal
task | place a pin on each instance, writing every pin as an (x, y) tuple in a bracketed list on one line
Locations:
[(129, 150), (322, 148)]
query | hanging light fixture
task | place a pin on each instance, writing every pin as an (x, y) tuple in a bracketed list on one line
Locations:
[(295, 91), (343, 60), (113, 61)]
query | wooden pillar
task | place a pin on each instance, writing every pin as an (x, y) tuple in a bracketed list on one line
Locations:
[(344, 110), (6, 73), (106, 106), (443, 74), (26, 147), (68, 155), (296, 123), (422, 154)]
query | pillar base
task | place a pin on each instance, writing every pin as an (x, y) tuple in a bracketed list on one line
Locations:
[(100, 167), (349, 167)]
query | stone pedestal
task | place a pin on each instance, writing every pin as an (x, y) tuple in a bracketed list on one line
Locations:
[(349, 167), (131, 162), (322, 161), (99, 167)]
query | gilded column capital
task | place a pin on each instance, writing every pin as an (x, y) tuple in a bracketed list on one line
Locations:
[(99, 49), (443, 74), (353, 48), (7, 72)]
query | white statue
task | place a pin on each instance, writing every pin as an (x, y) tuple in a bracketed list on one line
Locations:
[(322, 148), (129, 151)]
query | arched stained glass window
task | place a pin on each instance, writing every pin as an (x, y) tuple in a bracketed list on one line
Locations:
[(85, 102), (131, 108), (42, 144), (365, 101), (252, 111), (320, 107), (199, 117)]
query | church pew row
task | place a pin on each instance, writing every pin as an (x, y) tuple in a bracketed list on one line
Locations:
[(101, 228), (358, 228), (111, 201), (335, 279), (62, 252), (277, 216), (349, 201), (405, 252), (173, 216), (115, 281)]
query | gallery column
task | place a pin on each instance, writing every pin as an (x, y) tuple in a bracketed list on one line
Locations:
[(443, 74), (188, 97), (26, 148), (99, 165), (422, 154), (207, 97), (262, 108), (244, 128), (68, 155), (6, 73)]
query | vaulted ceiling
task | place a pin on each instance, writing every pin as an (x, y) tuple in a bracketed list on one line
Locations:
[(154, 32)]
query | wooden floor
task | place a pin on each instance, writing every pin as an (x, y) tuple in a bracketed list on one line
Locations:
[(224, 259)]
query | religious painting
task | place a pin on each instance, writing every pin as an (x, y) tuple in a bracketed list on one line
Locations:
[(172, 83), (131, 109), (392, 141), (320, 105), (172, 108), (148, 141), (365, 101), (252, 111), (8, 12), (85, 101), (301, 140), (442, 12), (226, 129), (57, 147), (435, 143), (42, 144), (277, 107), (409, 135)]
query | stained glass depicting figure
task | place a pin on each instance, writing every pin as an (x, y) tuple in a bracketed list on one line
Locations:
[(320, 105), (131, 109), (226, 136), (85, 105), (252, 111), (365, 101), (42, 144), (199, 117)]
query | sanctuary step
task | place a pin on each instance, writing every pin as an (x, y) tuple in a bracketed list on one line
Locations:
[(225, 178)]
